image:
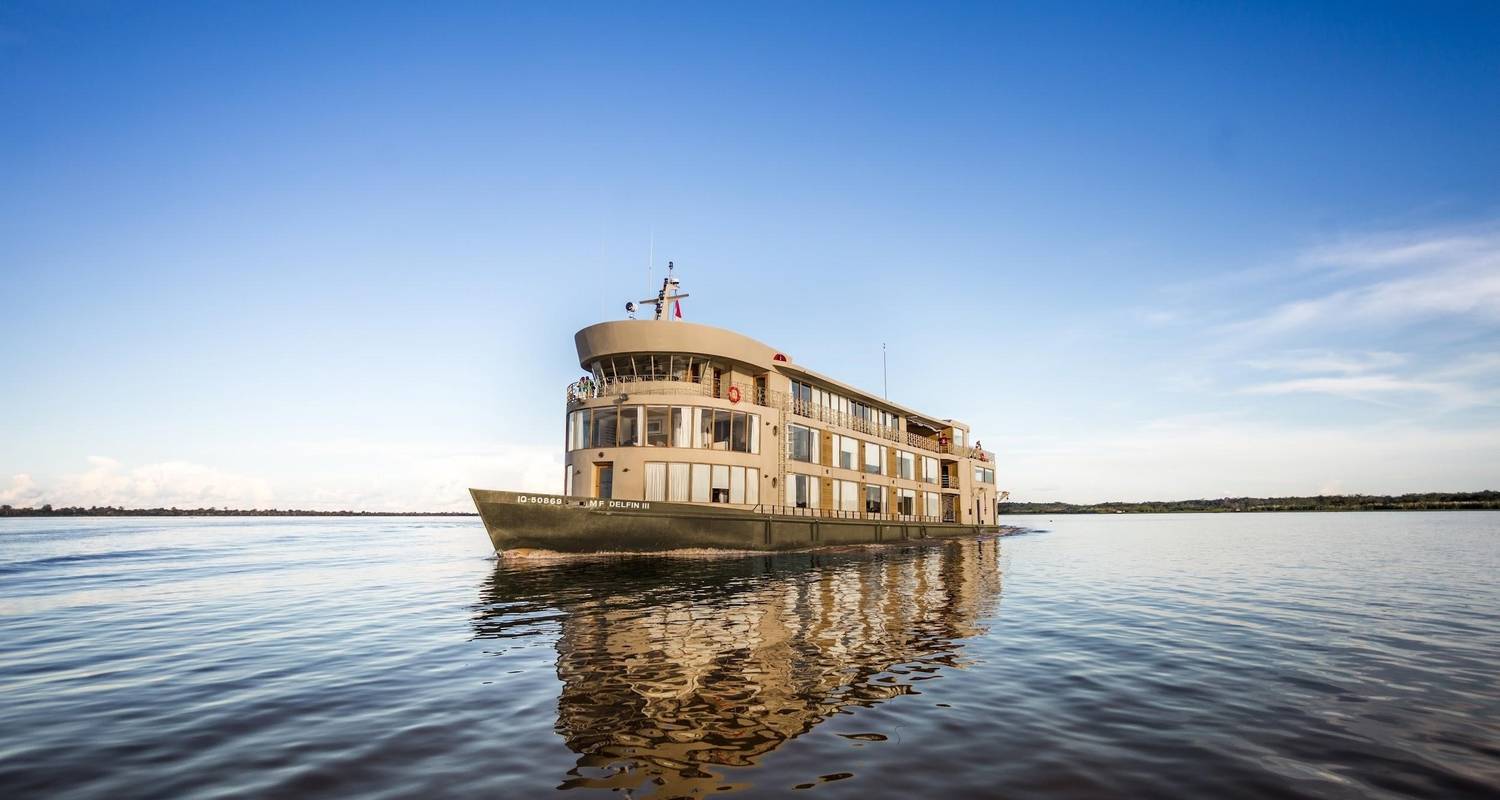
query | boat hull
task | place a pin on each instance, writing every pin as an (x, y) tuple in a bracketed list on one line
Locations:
[(519, 520)]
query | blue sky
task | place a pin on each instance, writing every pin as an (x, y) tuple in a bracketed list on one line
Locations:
[(262, 254)]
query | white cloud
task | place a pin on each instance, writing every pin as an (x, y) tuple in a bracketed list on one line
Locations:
[(106, 482), (1443, 277), (405, 476), (1370, 387), (1311, 361), (22, 492)]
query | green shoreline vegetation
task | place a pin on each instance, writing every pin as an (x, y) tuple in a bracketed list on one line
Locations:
[(1428, 501)]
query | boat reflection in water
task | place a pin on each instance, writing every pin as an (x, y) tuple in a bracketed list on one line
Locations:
[(671, 667)]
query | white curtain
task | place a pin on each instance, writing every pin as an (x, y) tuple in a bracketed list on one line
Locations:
[(755, 433), (737, 484), (682, 437), (752, 485), (656, 481), (721, 477), (677, 483), (698, 427), (700, 483)]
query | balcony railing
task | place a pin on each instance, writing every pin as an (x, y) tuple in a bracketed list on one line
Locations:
[(833, 513), (589, 388)]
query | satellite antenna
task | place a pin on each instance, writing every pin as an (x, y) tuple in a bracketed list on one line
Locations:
[(667, 296)]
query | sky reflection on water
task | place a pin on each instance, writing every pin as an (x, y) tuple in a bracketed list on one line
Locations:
[(1312, 655)]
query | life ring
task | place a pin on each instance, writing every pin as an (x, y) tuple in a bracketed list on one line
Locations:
[(733, 394)]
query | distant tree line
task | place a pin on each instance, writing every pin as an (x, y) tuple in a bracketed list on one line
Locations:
[(1429, 501), (116, 511)]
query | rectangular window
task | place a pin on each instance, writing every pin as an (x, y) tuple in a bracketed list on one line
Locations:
[(573, 428), (933, 510), (929, 470), (737, 484), (752, 485), (874, 458), (906, 465), (958, 437), (677, 482), (721, 429), (755, 433), (846, 452), (906, 502), (846, 495), (700, 483), (630, 426), (656, 481), (802, 491), (720, 491), (604, 426), (979, 475), (657, 433), (705, 430), (739, 438), (874, 501), (682, 421), (568, 480), (803, 445)]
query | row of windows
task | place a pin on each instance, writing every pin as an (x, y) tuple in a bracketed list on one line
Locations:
[(664, 426), (702, 483), (802, 491), (802, 445), (984, 475)]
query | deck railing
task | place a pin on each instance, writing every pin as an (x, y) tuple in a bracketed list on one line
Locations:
[(589, 388), (834, 513)]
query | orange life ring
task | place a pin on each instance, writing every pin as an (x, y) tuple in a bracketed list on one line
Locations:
[(733, 394)]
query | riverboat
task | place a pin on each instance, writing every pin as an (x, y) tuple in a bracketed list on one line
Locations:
[(688, 436)]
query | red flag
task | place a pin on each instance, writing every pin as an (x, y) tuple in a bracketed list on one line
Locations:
[(677, 309)]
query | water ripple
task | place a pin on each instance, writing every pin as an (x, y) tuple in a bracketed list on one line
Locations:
[(1173, 656)]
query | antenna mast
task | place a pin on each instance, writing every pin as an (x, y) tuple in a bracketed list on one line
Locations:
[(663, 298), (885, 379)]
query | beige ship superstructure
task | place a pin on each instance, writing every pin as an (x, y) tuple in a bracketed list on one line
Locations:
[(706, 424)]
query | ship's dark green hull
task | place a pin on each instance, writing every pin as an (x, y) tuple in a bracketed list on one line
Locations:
[(518, 520)]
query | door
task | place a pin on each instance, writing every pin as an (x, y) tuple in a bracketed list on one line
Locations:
[(604, 480)]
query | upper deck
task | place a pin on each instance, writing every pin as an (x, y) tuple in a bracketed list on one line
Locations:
[(629, 358)]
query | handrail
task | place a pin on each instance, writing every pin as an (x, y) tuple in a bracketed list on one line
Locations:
[(834, 513)]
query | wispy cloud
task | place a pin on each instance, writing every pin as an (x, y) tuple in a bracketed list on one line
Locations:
[(1443, 276), (1313, 361)]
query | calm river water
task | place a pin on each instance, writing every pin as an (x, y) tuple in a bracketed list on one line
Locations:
[(1285, 655)]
